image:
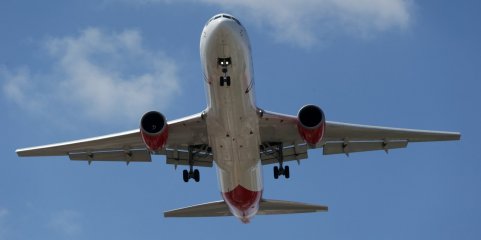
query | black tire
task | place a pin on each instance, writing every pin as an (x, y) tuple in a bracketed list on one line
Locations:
[(221, 81), (185, 175), (228, 81), (286, 172), (196, 175), (276, 172)]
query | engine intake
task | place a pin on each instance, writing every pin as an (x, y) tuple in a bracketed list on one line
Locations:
[(154, 130), (311, 123)]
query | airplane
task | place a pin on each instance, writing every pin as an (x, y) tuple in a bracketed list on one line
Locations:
[(235, 134)]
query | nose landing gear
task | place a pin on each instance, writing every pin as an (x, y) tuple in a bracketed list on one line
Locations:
[(224, 80), (224, 63)]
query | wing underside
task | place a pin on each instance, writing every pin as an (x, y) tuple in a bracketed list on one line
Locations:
[(339, 138), (129, 147)]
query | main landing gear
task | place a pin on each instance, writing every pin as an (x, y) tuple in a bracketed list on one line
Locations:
[(195, 174), (224, 63), (280, 170), (192, 173)]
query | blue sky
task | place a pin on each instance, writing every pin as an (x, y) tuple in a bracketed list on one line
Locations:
[(75, 69)]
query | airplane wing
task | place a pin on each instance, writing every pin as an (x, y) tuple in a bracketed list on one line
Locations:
[(338, 138), (129, 147)]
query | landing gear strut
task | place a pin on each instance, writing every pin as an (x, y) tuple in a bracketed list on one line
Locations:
[(192, 173), (281, 170)]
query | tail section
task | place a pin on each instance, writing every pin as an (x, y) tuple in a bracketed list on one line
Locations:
[(266, 207)]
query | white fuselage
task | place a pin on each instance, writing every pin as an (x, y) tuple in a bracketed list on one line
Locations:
[(232, 120)]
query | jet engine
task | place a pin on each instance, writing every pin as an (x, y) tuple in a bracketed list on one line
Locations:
[(311, 123), (154, 130)]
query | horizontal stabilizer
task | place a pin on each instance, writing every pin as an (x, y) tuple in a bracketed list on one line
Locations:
[(210, 209), (266, 207)]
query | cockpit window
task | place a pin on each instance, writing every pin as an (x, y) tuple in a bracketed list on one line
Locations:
[(237, 21), (224, 16), (233, 18)]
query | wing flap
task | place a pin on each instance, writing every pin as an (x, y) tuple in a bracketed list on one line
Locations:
[(350, 147), (137, 155), (290, 153), (181, 157)]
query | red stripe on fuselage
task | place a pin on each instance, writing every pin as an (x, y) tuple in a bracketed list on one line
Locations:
[(243, 202)]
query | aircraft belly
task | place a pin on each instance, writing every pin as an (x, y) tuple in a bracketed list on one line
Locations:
[(234, 138), (232, 121)]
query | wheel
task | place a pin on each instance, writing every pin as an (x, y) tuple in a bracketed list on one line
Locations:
[(286, 172), (276, 172), (185, 175), (228, 80), (221, 81), (196, 175)]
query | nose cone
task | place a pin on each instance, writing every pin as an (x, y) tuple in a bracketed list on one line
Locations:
[(243, 202), (225, 28)]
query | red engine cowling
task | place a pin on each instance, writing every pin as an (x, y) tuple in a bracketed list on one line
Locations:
[(154, 130), (311, 123)]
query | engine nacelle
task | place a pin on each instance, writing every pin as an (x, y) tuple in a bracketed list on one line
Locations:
[(311, 123), (154, 130)]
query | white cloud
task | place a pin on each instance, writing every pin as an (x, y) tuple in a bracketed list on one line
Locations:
[(98, 75), (16, 86), (300, 21), (304, 22), (66, 222)]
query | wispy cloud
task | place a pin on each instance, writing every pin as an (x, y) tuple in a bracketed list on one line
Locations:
[(66, 222), (302, 21), (305, 22), (96, 74)]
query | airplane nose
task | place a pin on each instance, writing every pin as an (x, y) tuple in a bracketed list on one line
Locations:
[(224, 28)]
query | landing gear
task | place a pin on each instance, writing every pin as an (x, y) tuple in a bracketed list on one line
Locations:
[(224, 63), (192, 173), (196, 175), (280, 170), (224, 80), (186, 175)]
